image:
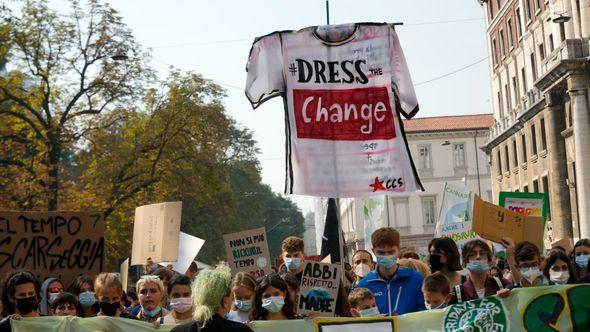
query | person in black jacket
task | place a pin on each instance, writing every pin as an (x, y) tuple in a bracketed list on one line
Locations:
[(212, 301)]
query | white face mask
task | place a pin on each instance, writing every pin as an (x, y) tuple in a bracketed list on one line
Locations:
[(530, 274), (559, 277), (439, 306), (362, 270)]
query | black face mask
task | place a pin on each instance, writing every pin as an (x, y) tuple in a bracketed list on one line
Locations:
[(27, 304), (435, 263), (109, 309)]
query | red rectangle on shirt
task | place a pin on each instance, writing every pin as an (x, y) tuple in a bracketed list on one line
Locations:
[(343, 115)]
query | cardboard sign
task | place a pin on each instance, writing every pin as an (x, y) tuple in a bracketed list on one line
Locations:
[(124, 274), (248, 251), (319, 288), (493, 222), (156, 232), (63, 245), (188, 249), (460, 232), (528, 204)]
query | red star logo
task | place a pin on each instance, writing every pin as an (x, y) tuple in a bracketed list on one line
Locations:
[(377, 185)]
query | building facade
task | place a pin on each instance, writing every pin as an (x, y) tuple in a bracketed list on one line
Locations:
[(539, 141), (444, 149)]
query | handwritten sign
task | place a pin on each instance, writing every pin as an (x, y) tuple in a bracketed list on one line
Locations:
[(528, 204), (319, 288), (460, 232), (52, 244), (156, 232), (493, 222), (248, 251)]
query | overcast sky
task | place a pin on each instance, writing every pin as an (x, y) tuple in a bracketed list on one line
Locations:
[(214, 37)]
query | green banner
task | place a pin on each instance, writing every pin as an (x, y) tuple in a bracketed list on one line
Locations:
[(539, 309)]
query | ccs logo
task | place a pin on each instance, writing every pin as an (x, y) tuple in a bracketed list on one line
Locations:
[(394, 184)]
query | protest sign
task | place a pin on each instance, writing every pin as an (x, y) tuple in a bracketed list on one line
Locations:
[(460, 232), (318, 290), (188, 249), (52, 244), (124, 273), (356, 324), (248, 251), (493, 222), (528, 204), (454, 207), (156, 232)]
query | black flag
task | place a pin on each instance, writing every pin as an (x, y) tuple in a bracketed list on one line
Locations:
[(331, 238)]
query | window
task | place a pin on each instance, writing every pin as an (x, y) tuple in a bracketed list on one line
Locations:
[(524, 157), (518, 22), (514, 153), (494, 51), (401, 212), (523, 75), (525, 189), (562, 31), (459, 154), (507, 158), (429, 210), (535, 186), (499, 164), (515, 88), (491, 11), (543, 135), (538, 3), (534, 139), (425, 156), (551, 44), (534, 66), (507, 93), (500, 104), (510, 33), (542, 51), (527, 8), (547, 190), (502, 43)]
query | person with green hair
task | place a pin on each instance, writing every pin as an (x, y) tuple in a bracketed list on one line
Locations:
[(212, 301)]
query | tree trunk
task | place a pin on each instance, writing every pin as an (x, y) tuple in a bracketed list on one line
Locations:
[(53, 159)]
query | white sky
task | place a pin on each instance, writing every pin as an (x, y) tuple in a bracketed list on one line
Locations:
[(214, 37)]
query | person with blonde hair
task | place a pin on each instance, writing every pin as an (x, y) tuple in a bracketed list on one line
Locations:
[(150, 291), (416, 265), (212, 301), (108, 291), (243, 287)]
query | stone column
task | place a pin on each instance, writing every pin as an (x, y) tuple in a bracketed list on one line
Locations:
[(585, 17), (578, 92), (559, 196)]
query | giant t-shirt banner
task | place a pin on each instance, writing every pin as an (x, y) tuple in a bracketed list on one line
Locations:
[(343, 87), (549, 308)]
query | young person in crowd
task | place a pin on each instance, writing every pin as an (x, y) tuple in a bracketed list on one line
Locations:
[(66, 304), (444, 257), (165, 275), (180, 294), (20, 298), (410, 254), (362, 303), (293, 255), (134, 302), (559, 268), (212, 301), (362, 264), (292, 284), (272, 300), (108, 290), (243, 287), (150, 290), (50, 289), (495, 272), (437, 291), (415, 265), (581, 255), (397, 290), (477, 258), (528, 263), (83, 288)]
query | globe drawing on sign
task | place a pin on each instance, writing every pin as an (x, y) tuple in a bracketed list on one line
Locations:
[(318, 293), (457, 213), (483, 315), (261, 262), (477, 320)]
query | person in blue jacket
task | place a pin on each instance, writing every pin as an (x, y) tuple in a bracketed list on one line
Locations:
[(398, 290)]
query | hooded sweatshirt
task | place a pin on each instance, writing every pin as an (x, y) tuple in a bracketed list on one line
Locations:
[(44, 305)]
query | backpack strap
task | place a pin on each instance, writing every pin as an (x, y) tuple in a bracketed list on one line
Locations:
[(458, 293), (499, 283)]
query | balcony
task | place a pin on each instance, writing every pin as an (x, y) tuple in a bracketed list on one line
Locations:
[(531, 99), (568, 55)]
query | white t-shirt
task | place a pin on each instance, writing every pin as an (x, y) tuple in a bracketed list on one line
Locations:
[(343, 87)]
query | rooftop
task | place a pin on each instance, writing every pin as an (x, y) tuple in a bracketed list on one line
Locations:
[(449, 123)]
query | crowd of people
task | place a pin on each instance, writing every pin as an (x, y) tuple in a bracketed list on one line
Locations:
[(387, 281)]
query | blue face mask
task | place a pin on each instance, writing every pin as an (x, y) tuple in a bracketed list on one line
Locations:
[(52, 297), (292, 263), (273, 304), (370, 312), (87, 299), (478, 266), (151, 313), (582, 261), (387, 262), (243, 305)]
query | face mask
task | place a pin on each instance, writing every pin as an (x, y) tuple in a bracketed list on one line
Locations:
[(151, 313), (439, 306), (582, 261), (370, 312), (435, 263), (181, 304), (109, 309), (386, 262), (243, 305), (362, 270), (273, 304), (292, 263), (52, 297), (560, 278), (26, 305), (478, 266), (87, 299), (530, 273)]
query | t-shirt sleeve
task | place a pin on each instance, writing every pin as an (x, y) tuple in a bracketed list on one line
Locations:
[(400, 78), (265, 70)]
